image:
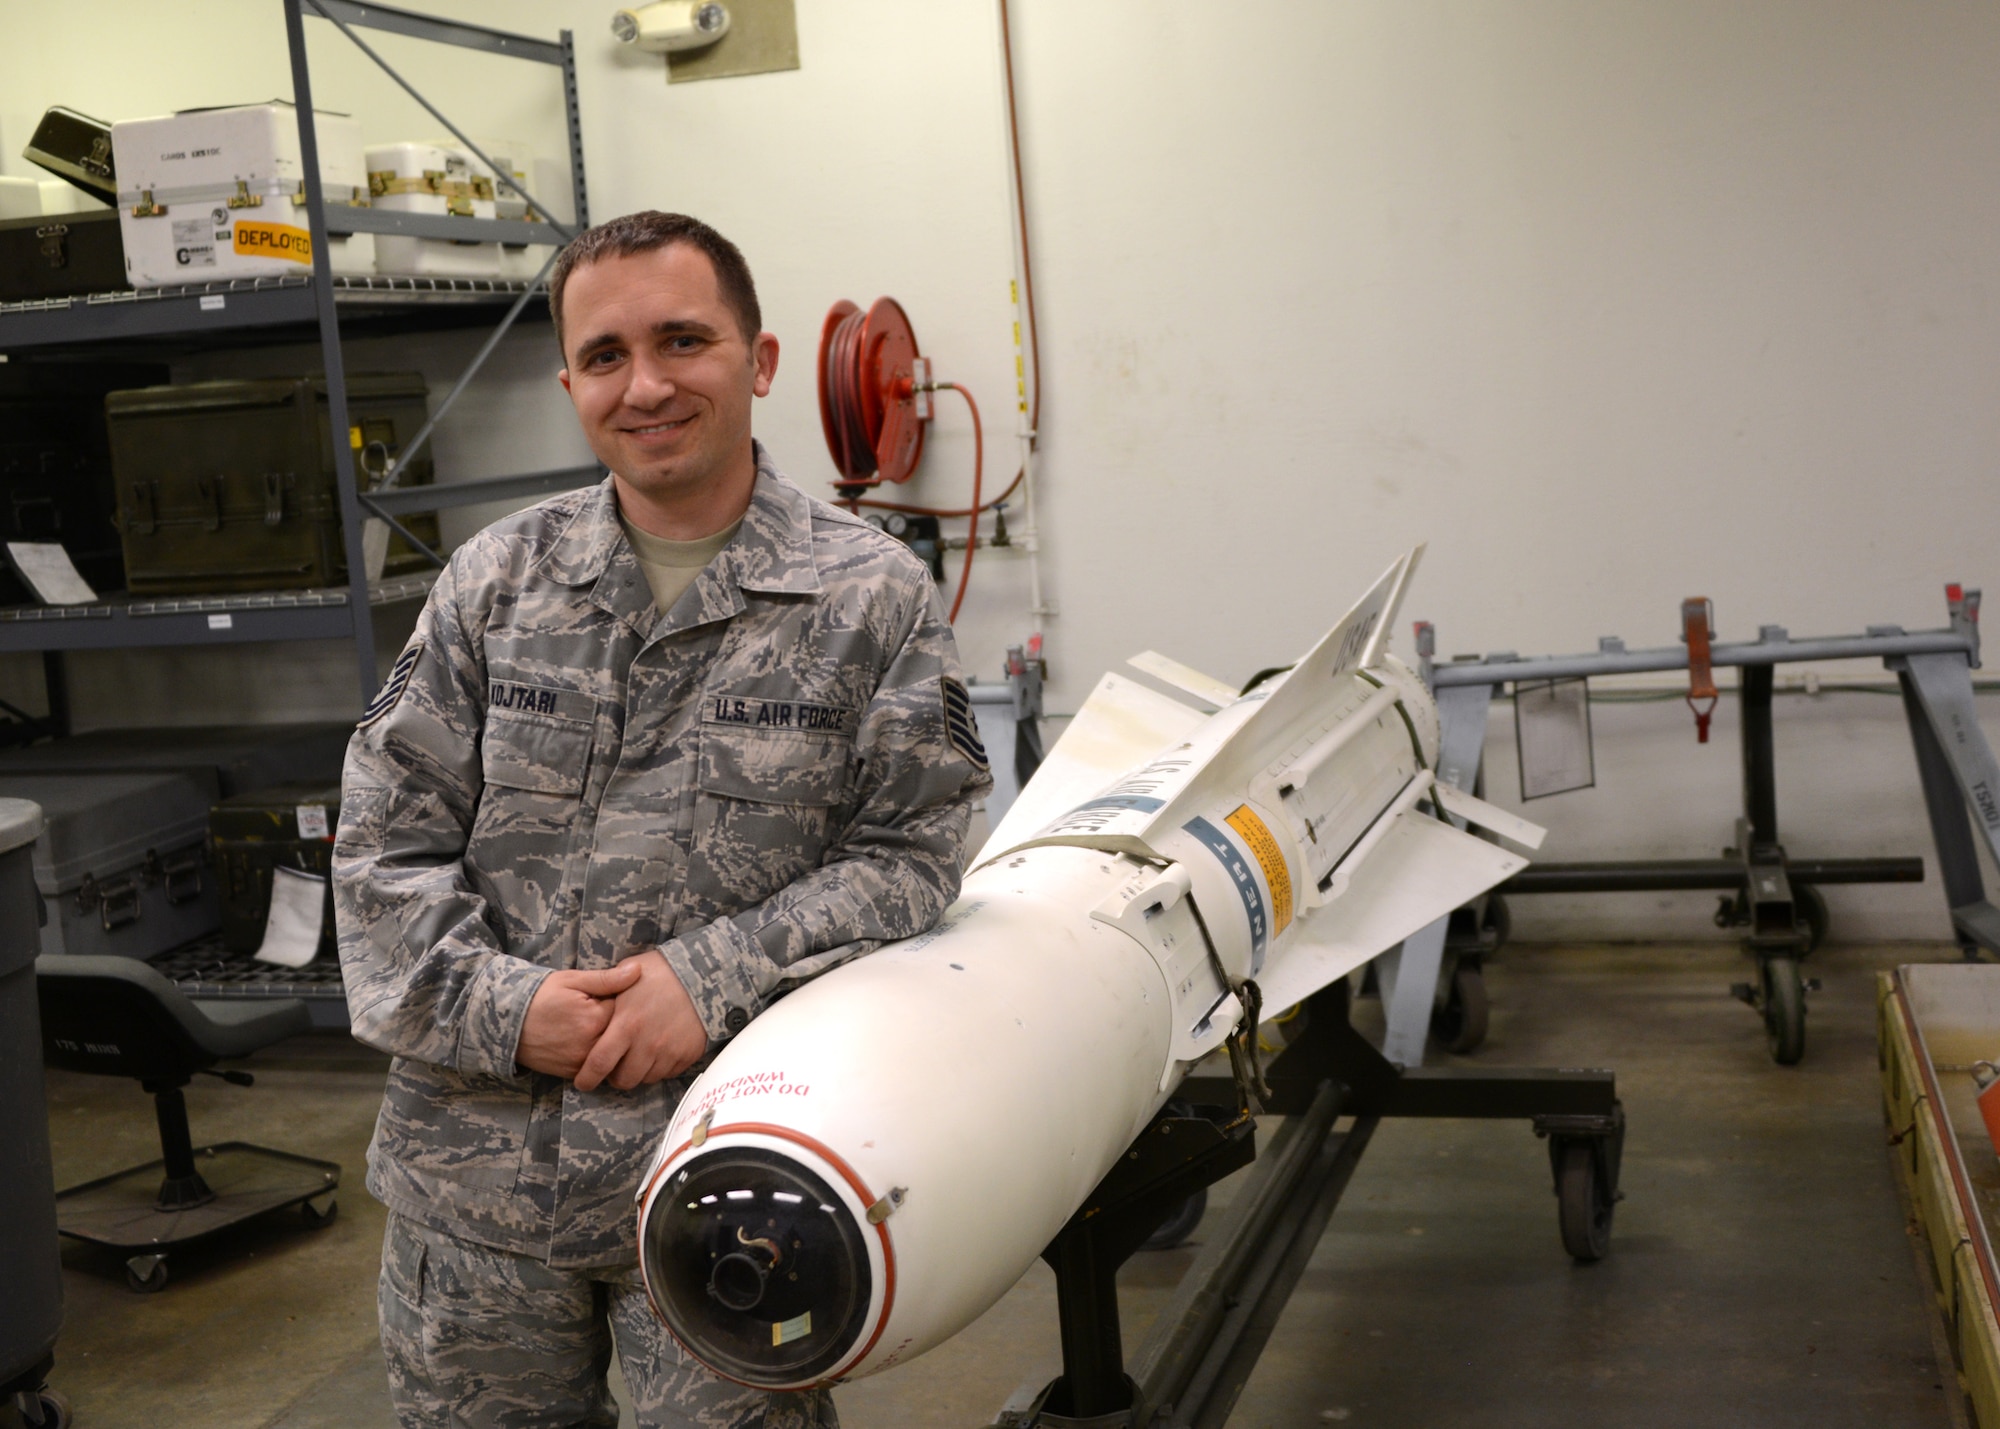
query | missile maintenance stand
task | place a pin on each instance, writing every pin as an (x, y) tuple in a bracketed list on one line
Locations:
[(1204, 1345), (1771, 895)]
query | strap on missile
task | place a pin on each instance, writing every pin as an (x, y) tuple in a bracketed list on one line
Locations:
[(1698, 620), (1251, 1091)]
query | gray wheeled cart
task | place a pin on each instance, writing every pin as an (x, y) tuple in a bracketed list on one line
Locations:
[(31, 1309)]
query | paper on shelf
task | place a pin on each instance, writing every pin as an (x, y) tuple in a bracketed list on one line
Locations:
[(46, 568), (291, 931)]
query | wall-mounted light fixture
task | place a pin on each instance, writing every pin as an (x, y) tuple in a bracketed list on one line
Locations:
[(672, 25)]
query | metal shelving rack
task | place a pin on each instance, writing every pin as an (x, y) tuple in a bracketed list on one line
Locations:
[(247, 312)]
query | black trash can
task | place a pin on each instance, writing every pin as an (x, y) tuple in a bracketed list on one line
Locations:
[(31, 1303)]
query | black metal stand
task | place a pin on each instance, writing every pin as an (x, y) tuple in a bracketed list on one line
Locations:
[(181, 1187), (1177, 1157), (1773, 897), (1202, 1349)]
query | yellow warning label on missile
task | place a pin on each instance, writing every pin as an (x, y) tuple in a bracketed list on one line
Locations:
[(272, 240), (1271, 859), (785, 1331)]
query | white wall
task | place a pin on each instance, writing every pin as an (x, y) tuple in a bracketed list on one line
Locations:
[(1611, 303)]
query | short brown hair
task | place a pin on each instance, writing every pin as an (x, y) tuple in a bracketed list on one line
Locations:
[(643, 232)]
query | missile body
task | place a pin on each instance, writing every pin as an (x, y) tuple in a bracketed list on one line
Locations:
[(876, 1160)]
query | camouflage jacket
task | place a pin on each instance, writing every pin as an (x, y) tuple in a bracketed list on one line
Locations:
[(771, 778)]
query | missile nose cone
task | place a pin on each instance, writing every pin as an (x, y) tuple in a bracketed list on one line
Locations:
[(757, 1266)]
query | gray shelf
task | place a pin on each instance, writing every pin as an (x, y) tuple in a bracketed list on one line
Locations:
[(123, 622), (322, 307), (205, 312)]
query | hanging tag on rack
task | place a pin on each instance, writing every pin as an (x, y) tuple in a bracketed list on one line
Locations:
[(1698, 623)]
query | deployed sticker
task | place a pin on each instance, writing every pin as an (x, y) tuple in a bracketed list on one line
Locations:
[(959, 724), (272, 240), (392, 690)]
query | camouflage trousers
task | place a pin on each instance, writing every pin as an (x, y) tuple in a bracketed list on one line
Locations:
[(478, 1338)]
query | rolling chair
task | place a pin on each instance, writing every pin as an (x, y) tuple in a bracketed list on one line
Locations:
[(118, 1017)]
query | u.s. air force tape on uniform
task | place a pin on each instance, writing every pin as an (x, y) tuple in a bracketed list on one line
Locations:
[(800, 715), (392, 688), (959, 723)]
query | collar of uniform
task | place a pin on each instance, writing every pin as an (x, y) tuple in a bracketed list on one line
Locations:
[(587, 544), (774, 550)]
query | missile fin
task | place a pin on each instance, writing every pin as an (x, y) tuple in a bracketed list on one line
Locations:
[(1121, 725), (1378, 641), (1337, 655), (1473, 810), (1206, 688), (1422, 869)]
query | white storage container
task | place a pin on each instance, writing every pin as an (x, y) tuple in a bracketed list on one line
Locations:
[(520, 261), (61, 196), (435, 179), (20, 198), (210, 194)]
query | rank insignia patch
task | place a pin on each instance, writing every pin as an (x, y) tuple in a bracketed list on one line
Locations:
[(392, 689), (959, 724)]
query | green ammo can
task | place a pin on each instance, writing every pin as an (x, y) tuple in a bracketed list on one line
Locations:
[(255, 833), (229, 486)]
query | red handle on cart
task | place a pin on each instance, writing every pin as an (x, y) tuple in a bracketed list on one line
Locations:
[(1698, 620)]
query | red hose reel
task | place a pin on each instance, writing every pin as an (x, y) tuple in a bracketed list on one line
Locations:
[(873, 394)]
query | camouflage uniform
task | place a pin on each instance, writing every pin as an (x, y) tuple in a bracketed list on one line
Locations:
[(765, 781)]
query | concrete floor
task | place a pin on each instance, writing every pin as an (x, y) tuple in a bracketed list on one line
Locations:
[(1761, 1270)]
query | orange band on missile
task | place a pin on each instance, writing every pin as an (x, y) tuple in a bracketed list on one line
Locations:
[(1271, 858)]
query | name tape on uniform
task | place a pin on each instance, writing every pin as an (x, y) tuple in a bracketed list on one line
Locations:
[(539, 699)]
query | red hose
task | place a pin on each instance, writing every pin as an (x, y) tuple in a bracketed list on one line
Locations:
[(978, 473)]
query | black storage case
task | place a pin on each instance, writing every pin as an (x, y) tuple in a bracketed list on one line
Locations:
[(61, 255), (55, 463), (75, 147), (251, 835), (229, 486)]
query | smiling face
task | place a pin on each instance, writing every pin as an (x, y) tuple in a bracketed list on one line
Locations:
[(663, 376)]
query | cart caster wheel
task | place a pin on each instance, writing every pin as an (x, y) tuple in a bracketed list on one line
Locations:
[(1784, 1011), (1584, 1204), (1810, 905), (1176, 1228), (1460, 1025), (146, 1274), (318, 1218), (44, 1409)]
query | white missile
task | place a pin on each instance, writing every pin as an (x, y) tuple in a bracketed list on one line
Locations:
[(877, 1159)]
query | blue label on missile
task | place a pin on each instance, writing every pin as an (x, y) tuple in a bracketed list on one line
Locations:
[(1237, 864), (1142, 803)]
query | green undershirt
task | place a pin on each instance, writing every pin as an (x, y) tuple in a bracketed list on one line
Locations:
[(671, 566)]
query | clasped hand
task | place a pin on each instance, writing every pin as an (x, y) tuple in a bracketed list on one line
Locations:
[(627, 1025)]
